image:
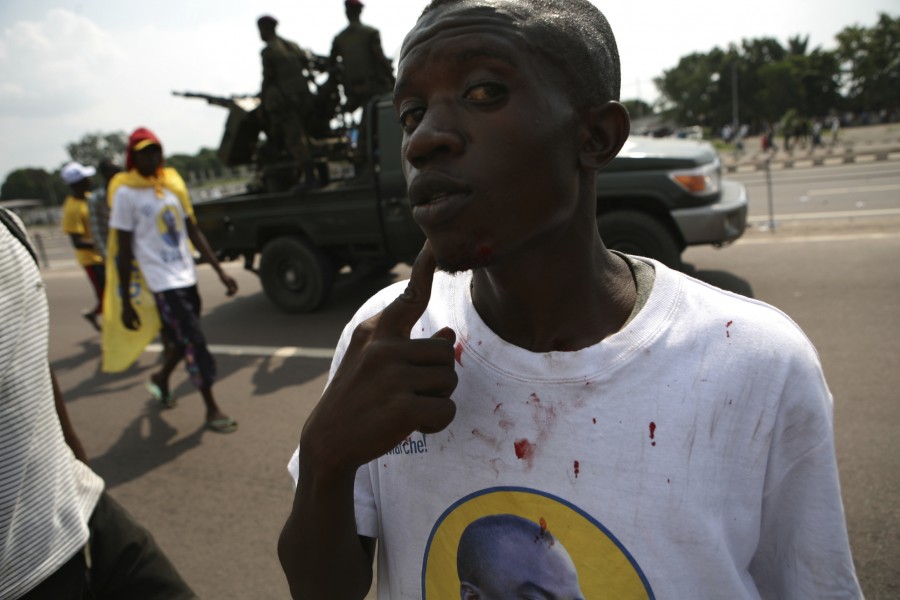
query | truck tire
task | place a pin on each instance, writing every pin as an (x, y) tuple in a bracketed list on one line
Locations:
[(638, 233), (295, 275)]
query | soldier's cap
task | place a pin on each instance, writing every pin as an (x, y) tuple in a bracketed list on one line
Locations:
[(267, 20), (353, 4), (74, 172)]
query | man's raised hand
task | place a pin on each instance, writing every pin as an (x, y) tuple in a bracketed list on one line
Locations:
[(387, 385)]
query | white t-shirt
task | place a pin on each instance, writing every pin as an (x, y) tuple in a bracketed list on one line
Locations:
[(46, 494), (689, 455), (160, 236)]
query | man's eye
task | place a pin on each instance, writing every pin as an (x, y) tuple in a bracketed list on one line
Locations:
[(409, 119), (485, 92)]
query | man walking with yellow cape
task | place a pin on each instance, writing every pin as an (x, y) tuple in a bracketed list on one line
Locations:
[(152, 283)]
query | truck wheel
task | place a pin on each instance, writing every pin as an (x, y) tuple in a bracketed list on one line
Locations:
[(640, 234), (295, 276)]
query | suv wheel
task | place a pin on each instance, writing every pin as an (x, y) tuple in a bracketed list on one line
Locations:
[(638, 233)]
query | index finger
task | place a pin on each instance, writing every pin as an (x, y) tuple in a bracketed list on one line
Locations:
[(399, 316)]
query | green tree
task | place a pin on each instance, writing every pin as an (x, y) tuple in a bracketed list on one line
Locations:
[(797, 45), (768, 79), (780, 89), (34, 184), (637, 108), (692, 91), (870, 61), (756, 55), (820, 76), (206, 161), (94, 147)]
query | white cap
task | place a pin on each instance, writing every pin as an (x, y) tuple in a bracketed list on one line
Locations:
[(75, 172)]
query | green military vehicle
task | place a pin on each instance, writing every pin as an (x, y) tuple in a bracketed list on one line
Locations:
[(655, 199)]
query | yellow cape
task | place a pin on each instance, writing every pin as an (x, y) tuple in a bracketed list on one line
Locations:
[(121, 346)]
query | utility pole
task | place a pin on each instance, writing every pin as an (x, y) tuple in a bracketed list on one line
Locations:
[(735, 121)]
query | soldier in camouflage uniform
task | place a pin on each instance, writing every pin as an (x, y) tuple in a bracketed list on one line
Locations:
[(363, 69), (286, 99)]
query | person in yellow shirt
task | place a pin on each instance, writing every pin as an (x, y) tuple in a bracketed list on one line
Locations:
[(76, 223)]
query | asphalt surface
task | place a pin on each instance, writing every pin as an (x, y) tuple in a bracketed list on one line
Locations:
[(217, 502)]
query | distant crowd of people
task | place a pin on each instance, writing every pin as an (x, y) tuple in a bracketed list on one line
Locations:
[(794, 131)]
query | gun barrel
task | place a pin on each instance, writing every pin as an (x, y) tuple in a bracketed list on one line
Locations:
[(227, 102)]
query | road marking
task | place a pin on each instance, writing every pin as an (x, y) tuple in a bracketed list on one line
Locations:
[(861, 190), (844, 214), (265, 351), (848, 237), (64, 268)]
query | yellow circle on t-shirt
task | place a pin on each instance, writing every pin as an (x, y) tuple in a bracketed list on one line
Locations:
[(604, 567)]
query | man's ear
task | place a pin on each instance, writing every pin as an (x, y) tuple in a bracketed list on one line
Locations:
[(467, 591), (606, 127)]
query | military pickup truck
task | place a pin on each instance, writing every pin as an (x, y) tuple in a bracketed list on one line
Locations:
[(655, 199)]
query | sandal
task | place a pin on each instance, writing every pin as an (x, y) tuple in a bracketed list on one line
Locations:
[(167, 400), (225, 425)]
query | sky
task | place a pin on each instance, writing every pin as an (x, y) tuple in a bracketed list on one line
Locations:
[(72, 67)]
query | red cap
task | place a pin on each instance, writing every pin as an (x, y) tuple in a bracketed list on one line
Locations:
[(139, 139)]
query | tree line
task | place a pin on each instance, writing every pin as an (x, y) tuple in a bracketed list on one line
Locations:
[(38, 184), (860, 76)]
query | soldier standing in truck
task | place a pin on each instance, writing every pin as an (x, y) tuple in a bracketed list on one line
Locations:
[(364, 69), (286, 101)]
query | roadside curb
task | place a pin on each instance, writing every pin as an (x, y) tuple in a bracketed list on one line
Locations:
[(872, 153)]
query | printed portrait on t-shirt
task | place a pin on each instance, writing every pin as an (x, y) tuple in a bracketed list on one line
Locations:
[(169, 226), (507, 556), (522, 543)]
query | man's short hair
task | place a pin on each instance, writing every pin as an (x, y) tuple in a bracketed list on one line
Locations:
[(266, 22), (481, 537), (572, 34)]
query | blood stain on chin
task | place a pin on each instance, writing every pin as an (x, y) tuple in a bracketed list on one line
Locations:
[(457, 353)]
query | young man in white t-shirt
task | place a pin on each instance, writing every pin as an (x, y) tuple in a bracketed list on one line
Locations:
[(153, 220), (674, 438)]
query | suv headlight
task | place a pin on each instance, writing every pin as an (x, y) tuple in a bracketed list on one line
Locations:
[(700, 181)]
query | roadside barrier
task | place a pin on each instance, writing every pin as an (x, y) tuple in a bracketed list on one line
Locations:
[(789, 161)]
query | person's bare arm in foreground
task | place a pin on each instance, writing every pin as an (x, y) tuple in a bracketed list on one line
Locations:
[(386, 387)]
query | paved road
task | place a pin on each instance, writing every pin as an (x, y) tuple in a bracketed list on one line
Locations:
[(852, 191), (216, 503)]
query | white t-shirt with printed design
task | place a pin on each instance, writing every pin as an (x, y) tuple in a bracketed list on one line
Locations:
[(160, 239), (690, 455)]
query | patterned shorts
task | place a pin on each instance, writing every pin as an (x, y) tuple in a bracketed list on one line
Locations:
[(179, 311)]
